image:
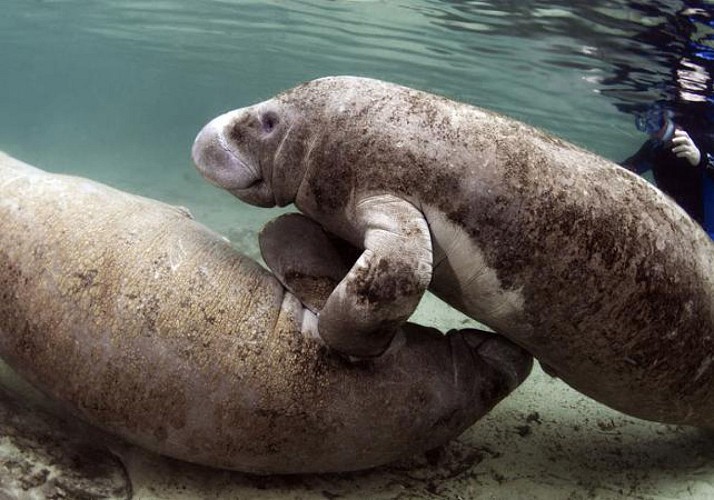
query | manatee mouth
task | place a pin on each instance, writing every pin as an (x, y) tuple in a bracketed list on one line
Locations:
[(237, 169)]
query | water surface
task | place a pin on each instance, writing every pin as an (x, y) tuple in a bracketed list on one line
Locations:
[(117, 90)]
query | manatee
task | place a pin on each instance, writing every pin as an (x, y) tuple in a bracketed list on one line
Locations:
[(604, 279), (143, 322)]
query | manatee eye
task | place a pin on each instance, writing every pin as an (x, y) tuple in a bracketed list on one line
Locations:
[(269, 121)]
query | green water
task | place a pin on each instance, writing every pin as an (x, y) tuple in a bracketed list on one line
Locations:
[(117, 90)]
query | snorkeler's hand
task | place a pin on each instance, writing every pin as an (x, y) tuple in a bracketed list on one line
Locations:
[(683, 147)]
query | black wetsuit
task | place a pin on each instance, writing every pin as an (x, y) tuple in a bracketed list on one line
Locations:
[(677, 177), (682, 42)]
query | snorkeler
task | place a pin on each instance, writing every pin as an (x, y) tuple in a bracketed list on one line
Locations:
[(681, 164), (680, 149)]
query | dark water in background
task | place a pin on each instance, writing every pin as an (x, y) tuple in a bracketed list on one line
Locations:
[(116, 90)]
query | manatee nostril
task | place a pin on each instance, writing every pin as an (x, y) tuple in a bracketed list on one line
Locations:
[(269, 121)]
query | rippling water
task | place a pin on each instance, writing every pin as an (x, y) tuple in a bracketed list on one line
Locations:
[(116, 90)]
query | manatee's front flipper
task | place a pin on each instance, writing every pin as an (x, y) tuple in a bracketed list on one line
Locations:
[(384, 286), (308, 261), (360, 308)]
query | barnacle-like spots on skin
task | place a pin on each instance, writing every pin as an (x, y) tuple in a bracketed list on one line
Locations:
[(244, 129), (383, 282)]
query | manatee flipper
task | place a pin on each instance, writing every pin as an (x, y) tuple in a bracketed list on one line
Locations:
[(385, 284), (549, 370), (308, 261)]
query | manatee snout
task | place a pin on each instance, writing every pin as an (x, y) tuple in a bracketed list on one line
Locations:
[(218, 160)]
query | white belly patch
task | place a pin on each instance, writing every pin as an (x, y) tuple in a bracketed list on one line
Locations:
[(460, 270)]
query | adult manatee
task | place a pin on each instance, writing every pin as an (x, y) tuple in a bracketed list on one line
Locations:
[(147, 324), (590, 268)]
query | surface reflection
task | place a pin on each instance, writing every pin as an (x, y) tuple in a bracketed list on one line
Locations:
[(582, 70), (648, 51)]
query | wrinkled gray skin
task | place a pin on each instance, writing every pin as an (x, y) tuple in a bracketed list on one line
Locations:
[(147, 324), (593, 270)]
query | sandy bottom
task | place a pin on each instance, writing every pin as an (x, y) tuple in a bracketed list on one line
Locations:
[(544, 442)]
